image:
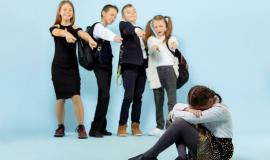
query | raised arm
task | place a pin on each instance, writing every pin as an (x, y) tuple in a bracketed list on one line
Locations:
[(104, 33), (216, 113), (152, 44), (173, 43), (126, 28), (57, 32), (85, 36)]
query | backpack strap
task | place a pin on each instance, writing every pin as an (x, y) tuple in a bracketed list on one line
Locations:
[(177, 54)]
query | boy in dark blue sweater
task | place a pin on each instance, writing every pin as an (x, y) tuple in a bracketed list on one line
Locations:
[(133, 63)]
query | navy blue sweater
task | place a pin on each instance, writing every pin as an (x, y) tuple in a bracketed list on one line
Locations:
[(132, 51)]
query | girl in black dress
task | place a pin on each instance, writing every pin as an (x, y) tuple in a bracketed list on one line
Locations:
[(65, 71)]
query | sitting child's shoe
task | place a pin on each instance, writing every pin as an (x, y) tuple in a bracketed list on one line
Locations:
[(136, 129), (81, 132), (60, 131), (141, 157)]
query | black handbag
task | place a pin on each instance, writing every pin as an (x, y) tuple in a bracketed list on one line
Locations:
[(87, 56), (182, 68)]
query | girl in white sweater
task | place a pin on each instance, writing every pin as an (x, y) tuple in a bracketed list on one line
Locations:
[(162, 71), (204, 126)]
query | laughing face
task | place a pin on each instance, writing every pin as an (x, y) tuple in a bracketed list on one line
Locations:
[(109, 16), (66, 12), (159, 27), (130, 14)]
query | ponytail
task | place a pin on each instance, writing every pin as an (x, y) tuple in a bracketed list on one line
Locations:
[(168, 32), (148, 31)]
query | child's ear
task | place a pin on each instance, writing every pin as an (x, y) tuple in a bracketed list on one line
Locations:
[(103, 13)]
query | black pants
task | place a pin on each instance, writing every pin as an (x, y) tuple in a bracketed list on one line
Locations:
[(134, 83), (103, 76)]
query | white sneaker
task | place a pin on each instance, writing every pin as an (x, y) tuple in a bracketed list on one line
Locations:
[(156, 132)]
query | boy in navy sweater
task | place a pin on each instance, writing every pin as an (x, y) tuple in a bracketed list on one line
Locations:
[(133, 63)]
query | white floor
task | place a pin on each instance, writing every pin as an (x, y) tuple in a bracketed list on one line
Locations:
[(46, 147)]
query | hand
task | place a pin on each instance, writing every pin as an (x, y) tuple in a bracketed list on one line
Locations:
[(197, 113), (170, 116), (117, 39), (92, 43), (174, 45), (70, 38), (140, 33), (155, 48)]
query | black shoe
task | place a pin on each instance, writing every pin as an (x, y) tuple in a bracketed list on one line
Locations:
[(96, 134), (60, 131), (107, 133), (141, 157), (179, 158)]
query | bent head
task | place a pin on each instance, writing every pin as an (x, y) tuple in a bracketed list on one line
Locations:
[(202, 97)]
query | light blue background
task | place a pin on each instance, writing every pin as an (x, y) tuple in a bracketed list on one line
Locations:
[(225, 42)]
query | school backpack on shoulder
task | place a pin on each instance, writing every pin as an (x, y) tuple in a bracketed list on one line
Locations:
[(182, 68), (87, 56)]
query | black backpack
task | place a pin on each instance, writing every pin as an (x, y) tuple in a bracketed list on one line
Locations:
[(182, 68), (87, 56)]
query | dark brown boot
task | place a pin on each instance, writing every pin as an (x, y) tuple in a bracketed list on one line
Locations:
[(60, 131), (81, 132)]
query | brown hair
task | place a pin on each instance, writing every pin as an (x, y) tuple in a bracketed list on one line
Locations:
[(58, 18), (107, 7), (125, 6), (200, 95), (149, 32)]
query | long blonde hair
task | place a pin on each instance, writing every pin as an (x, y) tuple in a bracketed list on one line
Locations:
[(149, 27), (58, 18)]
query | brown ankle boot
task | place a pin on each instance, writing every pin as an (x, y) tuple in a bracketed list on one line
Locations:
[(136, 129), (81, 132), (60, 131), (122, 130)]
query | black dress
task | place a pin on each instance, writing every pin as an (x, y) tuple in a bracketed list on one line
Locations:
[(65, 71)]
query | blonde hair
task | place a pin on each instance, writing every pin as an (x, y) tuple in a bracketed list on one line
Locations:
[(149, 27), (125, 6), (58, 18)]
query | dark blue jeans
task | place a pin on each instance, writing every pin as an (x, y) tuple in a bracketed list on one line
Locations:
[(134, 83)]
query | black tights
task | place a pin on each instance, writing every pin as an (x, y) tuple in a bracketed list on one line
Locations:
[(182, 134)]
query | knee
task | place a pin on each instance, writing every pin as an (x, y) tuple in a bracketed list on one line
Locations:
[(179, 123), (137, 98), (128, 97)]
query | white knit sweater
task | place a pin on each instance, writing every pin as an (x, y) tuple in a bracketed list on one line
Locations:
[(154, 56)]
